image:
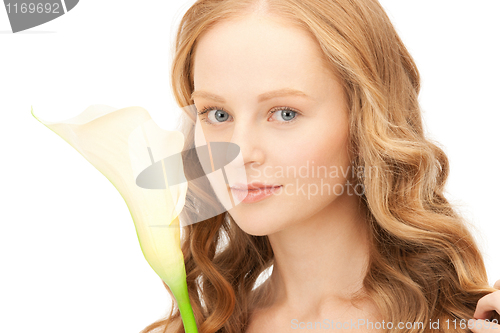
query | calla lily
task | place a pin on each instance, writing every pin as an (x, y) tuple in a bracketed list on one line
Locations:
[(122, 144)]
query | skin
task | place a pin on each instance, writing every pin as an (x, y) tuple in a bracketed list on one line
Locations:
[(319, 240)]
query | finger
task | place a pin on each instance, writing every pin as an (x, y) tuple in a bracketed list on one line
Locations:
[(487, 304), (497, 285), (483, 326)]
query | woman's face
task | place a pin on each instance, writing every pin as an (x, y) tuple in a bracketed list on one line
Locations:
[(267, 89)]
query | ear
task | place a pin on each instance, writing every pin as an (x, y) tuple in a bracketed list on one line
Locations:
[(497, 285)]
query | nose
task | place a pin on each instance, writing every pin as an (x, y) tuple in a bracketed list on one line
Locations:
[(249, 139)]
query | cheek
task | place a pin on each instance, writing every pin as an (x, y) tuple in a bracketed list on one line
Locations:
[(334, 152), (324, 148)]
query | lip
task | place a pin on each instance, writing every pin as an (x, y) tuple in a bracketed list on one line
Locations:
[(252, 186), (253, 192)]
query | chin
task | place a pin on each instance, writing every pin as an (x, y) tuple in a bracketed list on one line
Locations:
[(262, 228)]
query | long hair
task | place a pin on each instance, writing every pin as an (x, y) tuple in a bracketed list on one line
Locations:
[(424, 262)]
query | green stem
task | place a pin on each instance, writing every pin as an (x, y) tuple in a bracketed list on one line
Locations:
[(187, 315)]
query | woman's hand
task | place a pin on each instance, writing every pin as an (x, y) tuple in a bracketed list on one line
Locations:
[(485, 306)]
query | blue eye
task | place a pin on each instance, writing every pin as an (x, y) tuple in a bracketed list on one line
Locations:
[(287, 114), (219, 115)]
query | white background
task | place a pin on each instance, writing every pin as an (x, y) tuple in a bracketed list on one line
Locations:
[(70, 257)]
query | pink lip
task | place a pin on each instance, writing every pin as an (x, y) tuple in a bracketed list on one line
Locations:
[(253, 192), (252, 186)]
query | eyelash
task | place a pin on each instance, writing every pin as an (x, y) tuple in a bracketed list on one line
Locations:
[(277, 109)]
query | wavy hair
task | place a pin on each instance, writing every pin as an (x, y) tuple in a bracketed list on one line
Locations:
[(424, 262)]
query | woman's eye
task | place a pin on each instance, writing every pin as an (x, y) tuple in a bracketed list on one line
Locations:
[(213, 115), (217, 116), (286, 114)]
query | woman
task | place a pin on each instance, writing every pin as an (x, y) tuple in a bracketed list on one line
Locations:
[(321, 85)]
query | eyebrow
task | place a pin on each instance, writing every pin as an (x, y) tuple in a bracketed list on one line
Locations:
[(262, 98)]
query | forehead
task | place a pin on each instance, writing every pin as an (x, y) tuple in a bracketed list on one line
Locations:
[(258, 50)]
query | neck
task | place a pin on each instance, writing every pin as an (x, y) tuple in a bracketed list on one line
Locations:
[(319, 263)]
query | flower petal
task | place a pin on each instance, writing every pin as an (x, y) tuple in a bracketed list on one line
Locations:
[(119, 143)]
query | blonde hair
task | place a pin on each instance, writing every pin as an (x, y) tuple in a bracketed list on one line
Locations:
[(424, 263)]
